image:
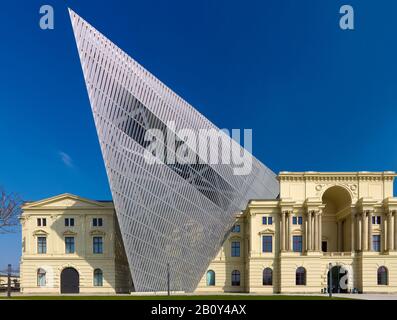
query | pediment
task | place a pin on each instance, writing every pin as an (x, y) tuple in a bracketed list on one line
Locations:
[(266, 231), (65, 201), (69, 233), (40, 232), (97, 233)]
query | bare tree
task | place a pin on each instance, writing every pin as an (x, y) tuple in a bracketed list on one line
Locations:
[(10, 210)]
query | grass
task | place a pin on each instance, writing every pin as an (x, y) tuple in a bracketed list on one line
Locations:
[(176, 297)]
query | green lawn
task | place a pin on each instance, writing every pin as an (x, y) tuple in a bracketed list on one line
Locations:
[(175, 297)]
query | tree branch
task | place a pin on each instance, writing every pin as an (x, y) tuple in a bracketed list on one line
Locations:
[(10, 210)]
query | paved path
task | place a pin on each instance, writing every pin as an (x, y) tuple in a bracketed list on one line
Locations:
[(369, 296)]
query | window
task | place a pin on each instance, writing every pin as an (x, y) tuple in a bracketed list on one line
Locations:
[(376, 241), (297, 243), (69, 222), (236, 228), (41, 222), (235, 248), (97, 245), (297, 220), (267, 277), (300, 279), (300, 220), (41, 245), (41, 277), (267, 220), (69, 244), (382, 276), (376, 219), (267, 244), (98, 278), (324, 246), (235, 278), (210, 278), (97, 222)]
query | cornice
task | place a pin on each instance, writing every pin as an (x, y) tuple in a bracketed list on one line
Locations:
[(336, 176)]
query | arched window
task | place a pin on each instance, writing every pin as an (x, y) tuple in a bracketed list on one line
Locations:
[(235, 278), (300, 279), (210, 278), (98, 278), (383, 276), (267, 277), (41, 277)]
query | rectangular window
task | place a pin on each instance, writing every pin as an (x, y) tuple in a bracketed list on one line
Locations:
[(294, 220), (378, 220), (264, 220), (97, 222), (236, 228), (297, 243), (41, 245), (98, 245), (270, 220), (69, 222), (376, 240), (69, 245), (300, 220), (235, 248), (267, 244), (41, 222), (373, 219)]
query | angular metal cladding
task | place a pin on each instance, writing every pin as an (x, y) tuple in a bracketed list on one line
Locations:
[(169, 213)]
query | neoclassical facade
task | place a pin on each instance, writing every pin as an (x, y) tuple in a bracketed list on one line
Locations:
[(72, 245), (325, 229), (345, 222)]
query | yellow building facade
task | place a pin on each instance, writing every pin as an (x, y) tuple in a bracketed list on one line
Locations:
[(341, 222), (72, 245), (325, 230)]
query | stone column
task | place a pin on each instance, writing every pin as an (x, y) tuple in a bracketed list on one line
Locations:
[(339, 236), (304, 238), (309, 231), (282, 233), (389, 231), (289, 217), (364, 229), (320, 231), (395, 230), (353, 233), (370, 247), (359, 230), (316, 231)]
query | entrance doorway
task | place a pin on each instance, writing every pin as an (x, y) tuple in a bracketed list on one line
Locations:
[(338, 275), (70, 281)]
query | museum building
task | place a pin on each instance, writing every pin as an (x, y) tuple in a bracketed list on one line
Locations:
[(324, 228)]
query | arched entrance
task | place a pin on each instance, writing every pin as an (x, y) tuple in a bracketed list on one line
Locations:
[(336, 220), (70, 281), (339, 277)]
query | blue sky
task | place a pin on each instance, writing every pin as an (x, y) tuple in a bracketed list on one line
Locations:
[(317, 98)]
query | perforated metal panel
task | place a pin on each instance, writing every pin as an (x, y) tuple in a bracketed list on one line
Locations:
[(168, 213)]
